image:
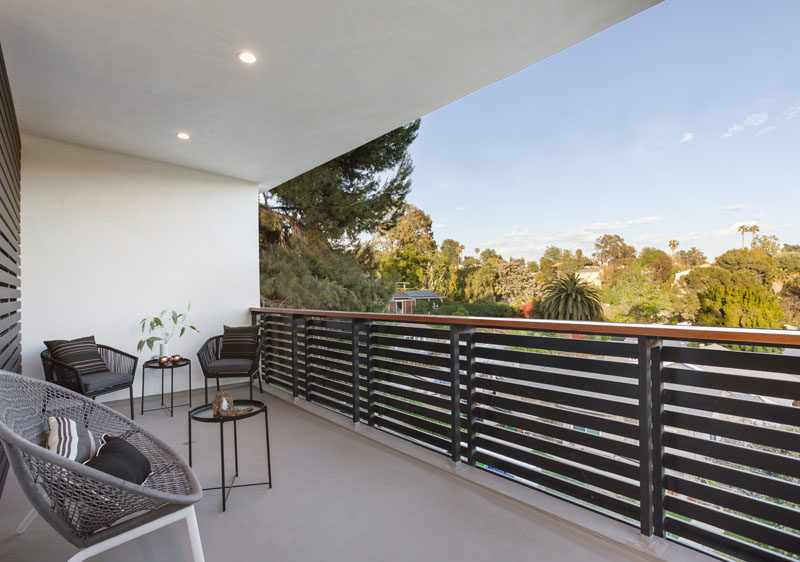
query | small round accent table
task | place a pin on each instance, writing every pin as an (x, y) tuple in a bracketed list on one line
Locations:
[(204, 414), (154, 365)]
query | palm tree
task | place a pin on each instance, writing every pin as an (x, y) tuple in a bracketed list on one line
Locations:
[(753, 230), (673, 245), (571, 298), (742, 229)]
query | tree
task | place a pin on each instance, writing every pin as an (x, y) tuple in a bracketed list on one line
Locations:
[(743, 228), (686, 297), (768, 243), (414, 228), (637, 296), (790, 300), (691, 258), (450, 251), (673, 245), (360, 191), (306, 272), (753, 230), (481, 283), (515, 282), (740, 307), (611, 247), (789, 262), (489, 254), (405, 265), (791, 247), (757, 261), (570, 298)]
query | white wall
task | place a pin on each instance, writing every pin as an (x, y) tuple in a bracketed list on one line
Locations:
[(108, 239)]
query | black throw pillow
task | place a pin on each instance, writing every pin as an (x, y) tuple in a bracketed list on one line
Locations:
[(119, 458), (239, 342)]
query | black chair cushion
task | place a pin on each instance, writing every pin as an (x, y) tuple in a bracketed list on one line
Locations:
[(229, 367), (117, 457), (106, 379), (80, 354), (239, 342)]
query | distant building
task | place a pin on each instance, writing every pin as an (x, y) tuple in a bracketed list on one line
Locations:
[(403, 301), (590, 274), (686, 272)]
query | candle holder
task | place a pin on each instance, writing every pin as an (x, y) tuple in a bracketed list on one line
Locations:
[(175, 358), (163, 360)]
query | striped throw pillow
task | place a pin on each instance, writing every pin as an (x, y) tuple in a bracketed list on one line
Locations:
[(70, 440), (239, 342), (80, 354)]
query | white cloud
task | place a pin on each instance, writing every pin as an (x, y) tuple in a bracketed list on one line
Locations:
[(732, 131), (765, 130), (793, 112), (439, 226), (687, 137), (458, 209), (755, 119), (752, 120), (734, 207), (643, 220), (520, 242)]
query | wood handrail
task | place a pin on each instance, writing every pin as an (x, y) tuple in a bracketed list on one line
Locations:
[(780, 338)]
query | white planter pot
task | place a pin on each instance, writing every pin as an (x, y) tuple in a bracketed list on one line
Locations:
[(163, 350)]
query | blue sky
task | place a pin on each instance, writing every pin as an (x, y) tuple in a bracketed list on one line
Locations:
[(681, 122)]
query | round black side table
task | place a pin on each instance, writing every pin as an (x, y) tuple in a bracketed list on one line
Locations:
[(153, 364), (204, 414)]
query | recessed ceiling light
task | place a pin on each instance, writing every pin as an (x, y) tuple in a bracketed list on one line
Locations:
[(183, 135), (247, 57)]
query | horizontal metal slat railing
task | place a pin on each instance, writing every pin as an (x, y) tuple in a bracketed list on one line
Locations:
[(697, 445)]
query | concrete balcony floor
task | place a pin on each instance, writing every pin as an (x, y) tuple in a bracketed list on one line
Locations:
[(336, 496)]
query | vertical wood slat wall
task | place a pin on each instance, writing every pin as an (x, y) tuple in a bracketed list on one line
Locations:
[(10, 296)]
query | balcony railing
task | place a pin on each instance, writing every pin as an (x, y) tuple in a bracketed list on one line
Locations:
[(644, 423)]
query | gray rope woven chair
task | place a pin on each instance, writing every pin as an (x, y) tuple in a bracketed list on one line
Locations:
[(120, 375), (91, 509), (214, 367)]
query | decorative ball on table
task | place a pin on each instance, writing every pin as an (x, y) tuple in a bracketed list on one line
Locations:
[(175, 358), (163, 360)]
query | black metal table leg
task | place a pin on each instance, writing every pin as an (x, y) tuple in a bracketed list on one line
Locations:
[(162, 387), (171, 390), (189, 415), (269, 463), (144, 369), (190, 386), (235, 448), (222, 460)]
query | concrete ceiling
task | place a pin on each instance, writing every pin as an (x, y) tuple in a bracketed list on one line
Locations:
[(128, 75)]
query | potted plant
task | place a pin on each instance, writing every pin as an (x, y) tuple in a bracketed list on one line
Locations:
[(162, 327)]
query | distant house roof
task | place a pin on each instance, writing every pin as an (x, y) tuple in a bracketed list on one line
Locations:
[(416, 295)]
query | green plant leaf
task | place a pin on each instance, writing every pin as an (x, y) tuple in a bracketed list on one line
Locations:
[(139, 346), (183, 329), (195, 329), (158, 322), (174, 317)]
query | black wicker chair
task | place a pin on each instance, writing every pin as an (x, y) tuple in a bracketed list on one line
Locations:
[(120, 374), (215, 368)]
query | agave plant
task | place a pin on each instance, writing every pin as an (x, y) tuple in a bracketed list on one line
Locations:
[(571, 298)]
